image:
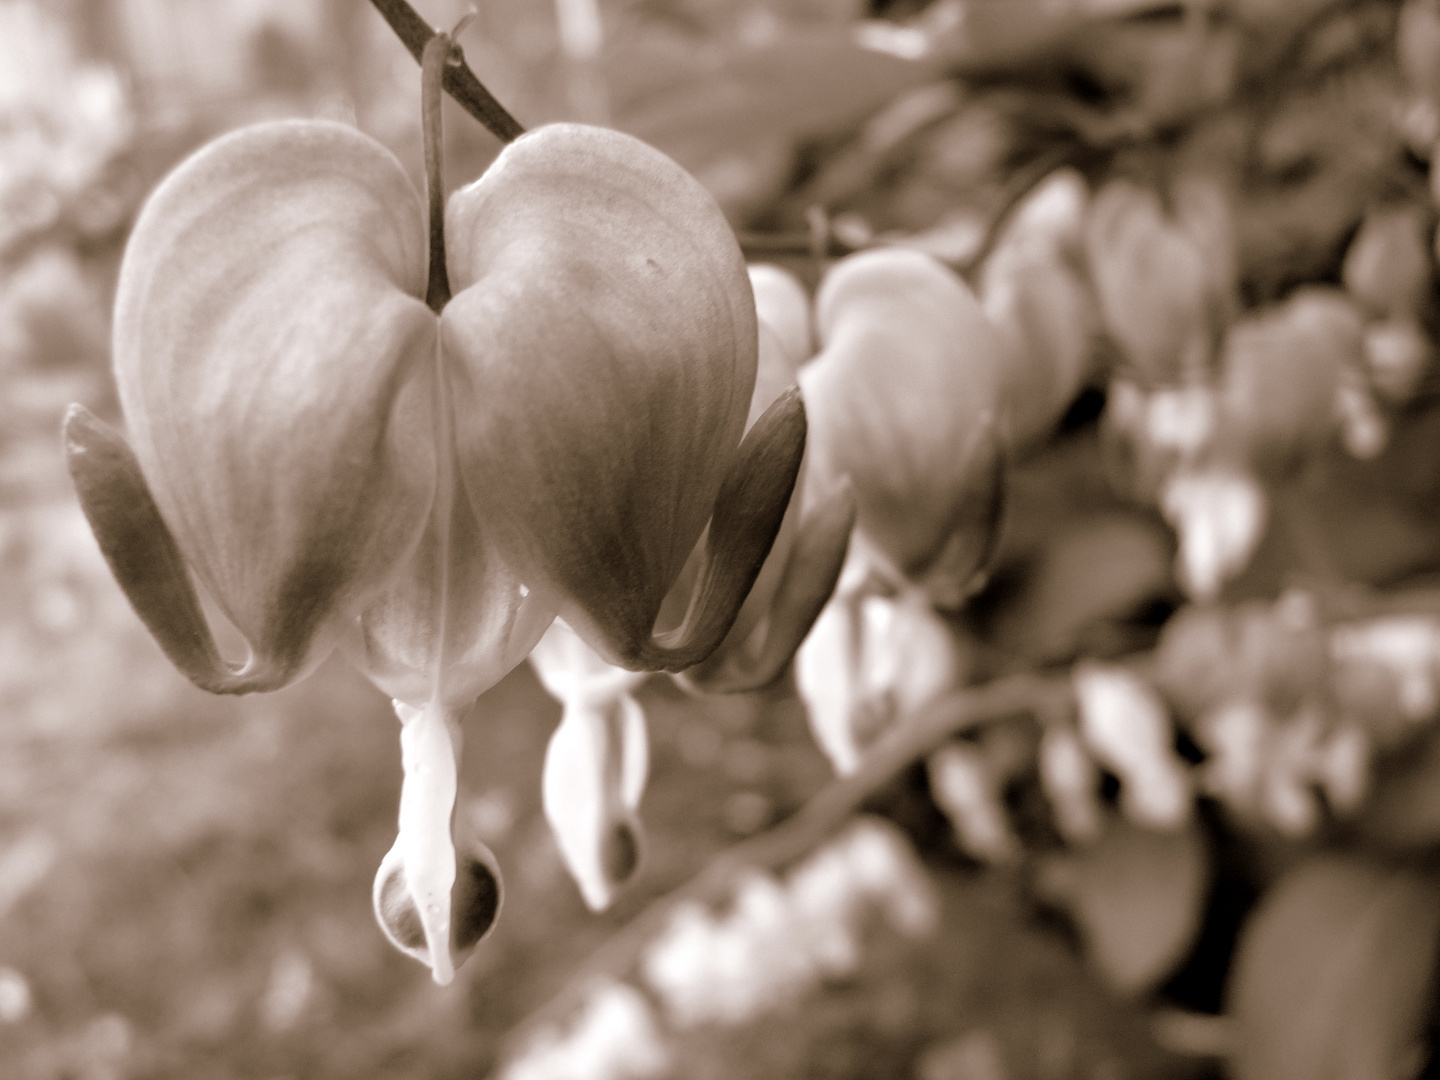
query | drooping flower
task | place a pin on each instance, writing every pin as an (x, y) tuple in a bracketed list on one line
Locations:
[(340, 465), (903, 399), (595, 765)]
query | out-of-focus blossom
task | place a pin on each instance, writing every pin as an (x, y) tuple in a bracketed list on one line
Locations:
[(1280, 369), (1398, 353), (1388, 265), (964, 785), (1152, 282), (62, 121), (871, 661), (1270, 768), (616, 1037), (1150, 434), (1126, 727), (1417, 45), (1386, 673), (782, 936), (338, 463), (595, 765), (903, 402), (1031, 287), (1364, 431), (1071, 782), (1219, 514)]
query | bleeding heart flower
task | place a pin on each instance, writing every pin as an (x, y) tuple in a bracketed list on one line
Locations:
[(904, 402), (1033, 290), (339, 464), (595, 765), (1153, 283)]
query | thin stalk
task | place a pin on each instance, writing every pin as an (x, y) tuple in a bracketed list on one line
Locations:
[(459, 81), (434, 61)]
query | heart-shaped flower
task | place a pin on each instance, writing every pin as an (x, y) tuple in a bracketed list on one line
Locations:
[(904, 401), (337, 463)]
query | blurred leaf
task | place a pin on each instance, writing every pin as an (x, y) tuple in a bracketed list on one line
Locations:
[(1089, 575), (1404, 810), (1332, 974), (1136, 897), (805, 84)]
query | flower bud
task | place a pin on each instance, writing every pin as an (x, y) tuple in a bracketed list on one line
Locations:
[(1033, 292), (1398, 353), (869, 663), (966, 789), (595, 765), (1071, 782), (903, 401), (1280, 370), (1125, 725), (1219, 514), (1387, 266), (1152, 283)]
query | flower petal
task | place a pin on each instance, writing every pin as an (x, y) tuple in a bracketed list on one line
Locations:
[(749, 511), (807, 582), (601, 350), (146, 561), (276, 366), (905, 379), (454, 622)]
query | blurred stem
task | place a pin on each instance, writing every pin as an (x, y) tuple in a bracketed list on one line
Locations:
[(459, 81), (756, 245), (810, 826)]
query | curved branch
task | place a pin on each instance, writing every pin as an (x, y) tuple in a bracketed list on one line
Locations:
[(810, 826), (460, 82)]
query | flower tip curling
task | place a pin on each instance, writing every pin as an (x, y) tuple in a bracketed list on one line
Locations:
[(475, 900)]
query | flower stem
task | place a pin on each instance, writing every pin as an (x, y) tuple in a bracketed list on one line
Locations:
[(459, 81), (436, 57)]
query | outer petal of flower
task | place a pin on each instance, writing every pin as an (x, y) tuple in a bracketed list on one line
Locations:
[(601, 346), (276, 367)]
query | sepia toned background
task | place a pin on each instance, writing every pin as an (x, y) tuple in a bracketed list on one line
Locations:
[(185, 879)]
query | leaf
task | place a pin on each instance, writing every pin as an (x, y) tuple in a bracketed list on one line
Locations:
[(1136, 897), (1404, 810), (803, 85), (1332, 974)]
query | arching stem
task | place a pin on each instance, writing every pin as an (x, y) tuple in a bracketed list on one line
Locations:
[(459, 80), (439, 51)]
